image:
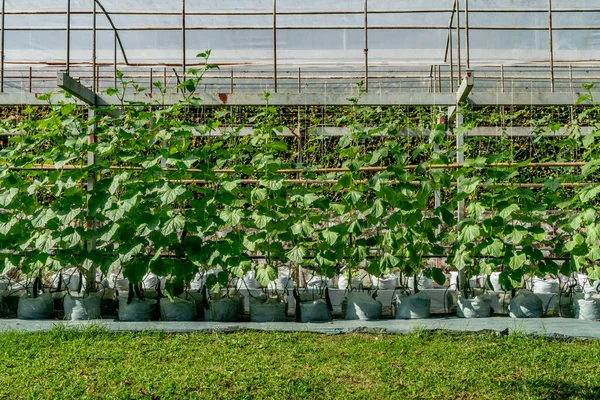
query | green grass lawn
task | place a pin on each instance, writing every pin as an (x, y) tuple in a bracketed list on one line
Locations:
[(67, 364)]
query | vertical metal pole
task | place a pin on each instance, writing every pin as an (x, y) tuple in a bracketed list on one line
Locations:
[(151, 81), (467, 42), (458, 58), (68, 63), (460, 159), (451, 62), (2, 48), (571, 77), (115, 59), (551, 45), (366, 48), (439, 80), (431, 79), (299, 80), (92, 224), (165, 78), (231, 82), (275, 45), (183, 46), (94, 75), (502, 76), (30, 79)]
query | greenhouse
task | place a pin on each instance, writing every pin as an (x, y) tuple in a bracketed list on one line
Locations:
[(297, 162)]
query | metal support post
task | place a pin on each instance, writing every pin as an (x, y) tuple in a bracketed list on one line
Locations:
[(458, 55), (92, 178), (183, 45), (30, 79), (68, 62), (2, 56), (299, 81), (94, 72), (275, 46), (366, 48), (151, 81), (551, 45), (467, 42), (231, 82)]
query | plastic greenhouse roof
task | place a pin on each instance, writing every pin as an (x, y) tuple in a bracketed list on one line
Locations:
[(309, 33)]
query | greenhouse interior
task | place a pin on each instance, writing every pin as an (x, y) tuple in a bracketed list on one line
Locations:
[(296, 162)]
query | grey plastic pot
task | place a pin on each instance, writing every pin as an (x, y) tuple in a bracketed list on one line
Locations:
[(222, 310), (83, 308), (314, 311), (40, 307), (273, 309), (177, 310), (587, 307), (136, 311), (477, 307), (416, 306), (361, 306), (526, 305)]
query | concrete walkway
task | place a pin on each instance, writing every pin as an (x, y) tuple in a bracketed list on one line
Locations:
[(538, 326)]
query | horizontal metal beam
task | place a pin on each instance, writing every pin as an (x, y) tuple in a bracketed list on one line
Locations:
[(307, 99), (371, 99), (74, 87)]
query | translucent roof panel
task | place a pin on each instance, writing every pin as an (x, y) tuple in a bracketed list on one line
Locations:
[(317, 33)]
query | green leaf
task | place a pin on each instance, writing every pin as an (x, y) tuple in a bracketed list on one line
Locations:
[(265, 274), (173, 225), (297, 254), (468, 233), (517, 261), (330, 236), (45, 243), (170, 194), (506, 211), (42, 217), (7, 196), (469, 185)]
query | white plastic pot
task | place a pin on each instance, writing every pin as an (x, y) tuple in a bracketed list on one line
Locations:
[(281, 283), (344, 283), (477, 307), (83, 308), (70, 279), (546, 285), (272, 309), (136, 311), (385, 283), (362, 306), (423, 283), (495, 280), (454, 280), (318, 282), (40, 307), (200, 278), (526, 305), (177, 310), (416, 306), (587, 307), (248, 282)]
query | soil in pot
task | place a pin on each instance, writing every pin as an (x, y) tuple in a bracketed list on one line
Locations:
[(477, 307), (526, 305), (268, 309), (136, 311), (83, 308), (587, 307), (177, 310), (416, 306), (362, 306), (40, 307)]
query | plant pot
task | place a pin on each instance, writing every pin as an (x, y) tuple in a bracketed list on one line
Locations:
[(416, 306), (83, 308), (40, 307), (344, 283), (385, 283), (587, 307), (314, 311), (478, 307), (362, 306), (70, 279), (423, 283), (271, 309), (177, 310), (248, 282), (526, 305), (546, 286), (495, 281), (318, 282), (223, 310), (282, 283), (136, 311)]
